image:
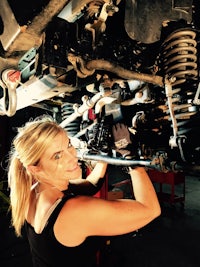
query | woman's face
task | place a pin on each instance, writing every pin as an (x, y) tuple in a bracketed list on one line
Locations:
[(59, 162)]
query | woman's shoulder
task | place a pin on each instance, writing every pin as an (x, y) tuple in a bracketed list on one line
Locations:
[(41, 207)]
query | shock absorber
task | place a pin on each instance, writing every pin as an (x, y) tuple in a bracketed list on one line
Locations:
[(179, 63), (73, 126)]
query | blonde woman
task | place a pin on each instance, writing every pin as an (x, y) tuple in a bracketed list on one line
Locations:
[(63, 224)]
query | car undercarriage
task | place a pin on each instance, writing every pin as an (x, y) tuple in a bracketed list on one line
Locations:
[(101, 62)]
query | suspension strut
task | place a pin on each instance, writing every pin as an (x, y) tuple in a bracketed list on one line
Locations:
[(180, 56), (179, 63)]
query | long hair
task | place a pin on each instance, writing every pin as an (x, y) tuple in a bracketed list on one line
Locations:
[(27, 149)]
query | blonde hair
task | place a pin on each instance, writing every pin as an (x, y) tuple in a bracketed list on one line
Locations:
[(27, 149)]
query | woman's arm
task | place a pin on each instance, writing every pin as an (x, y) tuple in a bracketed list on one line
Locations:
[(98, 173), (101, 217), (123, 215), (93, 182)]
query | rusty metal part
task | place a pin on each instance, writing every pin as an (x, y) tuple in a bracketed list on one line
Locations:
[(123, 73), (33, 34)]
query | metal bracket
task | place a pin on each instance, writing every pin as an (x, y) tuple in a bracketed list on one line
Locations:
[(10, 26)]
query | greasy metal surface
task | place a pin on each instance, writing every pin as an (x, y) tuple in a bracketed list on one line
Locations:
[(32, 35), (10, 27), (144, 18)]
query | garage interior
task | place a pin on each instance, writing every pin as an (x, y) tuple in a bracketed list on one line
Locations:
[(170, 240), (128, 67)]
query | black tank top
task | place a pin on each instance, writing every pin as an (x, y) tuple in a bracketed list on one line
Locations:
[(48, 252)]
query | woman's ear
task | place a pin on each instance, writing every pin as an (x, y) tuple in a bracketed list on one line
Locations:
[(33, 169)]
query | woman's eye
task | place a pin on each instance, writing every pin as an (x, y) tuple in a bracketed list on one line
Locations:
[(57, 156)]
